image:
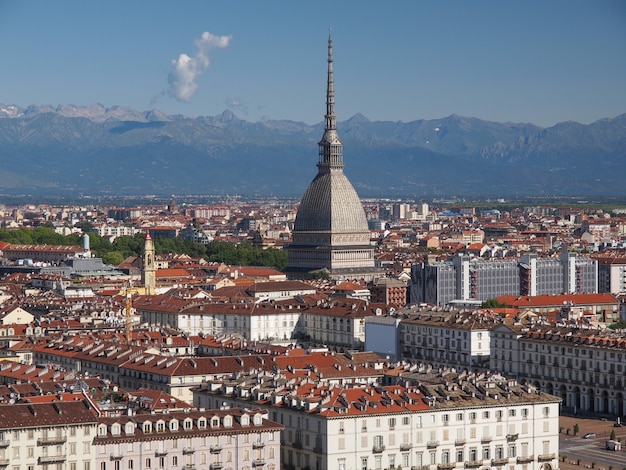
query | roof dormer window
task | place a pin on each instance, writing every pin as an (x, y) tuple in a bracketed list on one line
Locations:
[(129, 428)]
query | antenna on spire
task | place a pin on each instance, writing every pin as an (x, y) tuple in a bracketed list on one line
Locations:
[(330, 147)]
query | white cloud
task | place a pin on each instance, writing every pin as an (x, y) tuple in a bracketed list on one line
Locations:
[(186, 70)]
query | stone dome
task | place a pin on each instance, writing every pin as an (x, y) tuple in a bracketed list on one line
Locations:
[(330, 204)]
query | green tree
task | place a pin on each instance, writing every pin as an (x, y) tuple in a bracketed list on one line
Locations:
[(320, 274), (620, 325), (494, 303), (45, 236), (20, 236), (113, 257), (84, 225)]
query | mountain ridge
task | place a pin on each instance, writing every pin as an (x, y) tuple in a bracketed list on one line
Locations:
[(101, 150)]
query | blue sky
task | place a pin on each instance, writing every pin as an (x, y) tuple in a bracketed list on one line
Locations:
[(539, 61)]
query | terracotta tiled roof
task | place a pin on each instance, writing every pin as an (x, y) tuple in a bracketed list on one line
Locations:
[(557, 300), (46, 414)]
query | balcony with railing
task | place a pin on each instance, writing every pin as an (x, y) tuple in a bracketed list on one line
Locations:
[(459, 442), (188, 450), (189, 466), (52, 440), (4, 462), (216, 449), (511, 437), (160, 453), (258, 462), (486, 439), (216, 466), (526, 459), (258, 445), (377, 449), (446, 466), (546, 457), (5, 443), (432, 444), (51, 459), (405, 446), (499, 462), (116, 456)]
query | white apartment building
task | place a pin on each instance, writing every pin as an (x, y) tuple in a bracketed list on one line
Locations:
[(585, 367), (446, 422), (457, 339), (338, 322), (55, 435), (220, 439), (253, 321)]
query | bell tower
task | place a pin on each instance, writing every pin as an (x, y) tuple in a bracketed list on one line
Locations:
[(148, 272)]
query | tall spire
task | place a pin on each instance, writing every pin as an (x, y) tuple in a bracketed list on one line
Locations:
[(331, 119), (330, 147)]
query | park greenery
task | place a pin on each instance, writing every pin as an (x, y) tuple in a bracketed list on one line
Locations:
[(620, 325), (114, 253), (494, 303)]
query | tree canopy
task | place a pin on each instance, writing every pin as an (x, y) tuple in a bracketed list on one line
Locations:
[(244, 254), (494, 303)]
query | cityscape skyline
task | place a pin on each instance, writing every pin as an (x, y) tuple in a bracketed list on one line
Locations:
[(531, 62)]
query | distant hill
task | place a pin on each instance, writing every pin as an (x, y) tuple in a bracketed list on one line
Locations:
[(97, 150)]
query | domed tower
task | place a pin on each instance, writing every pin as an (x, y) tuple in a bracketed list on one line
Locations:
[(330, 231)]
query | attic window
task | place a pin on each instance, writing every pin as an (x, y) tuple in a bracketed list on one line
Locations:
[(245, 420), (258, 420), (102, 430), (147, 427), (188, 424), (115, 429), (129, 428), (215, 422), (228, 421), (202, 423)]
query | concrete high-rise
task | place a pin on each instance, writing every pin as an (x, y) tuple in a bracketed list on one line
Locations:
[(330, 231), (462, 278)]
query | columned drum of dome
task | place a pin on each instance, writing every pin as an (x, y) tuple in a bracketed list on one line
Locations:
[(330, 231)]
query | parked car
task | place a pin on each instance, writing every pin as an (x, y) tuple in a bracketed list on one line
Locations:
[(590, 435)]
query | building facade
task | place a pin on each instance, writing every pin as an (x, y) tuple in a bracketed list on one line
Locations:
[(464, 278), (47, 435), (218, 439), (586, 369), (444, 423)]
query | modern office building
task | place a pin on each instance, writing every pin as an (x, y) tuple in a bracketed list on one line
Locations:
[(466, 278)]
